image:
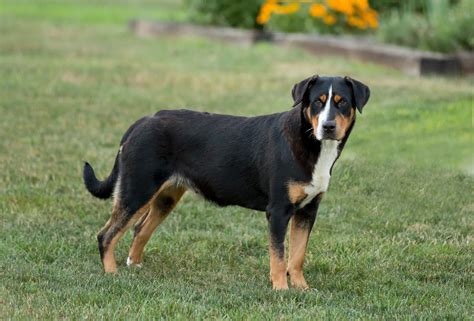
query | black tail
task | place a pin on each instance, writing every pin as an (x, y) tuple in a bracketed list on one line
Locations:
[(100, 189), (104, 189)]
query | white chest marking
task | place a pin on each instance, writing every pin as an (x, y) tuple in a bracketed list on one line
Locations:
[(321, 172)]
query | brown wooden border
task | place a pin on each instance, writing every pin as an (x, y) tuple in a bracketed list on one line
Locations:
[(413, 62)]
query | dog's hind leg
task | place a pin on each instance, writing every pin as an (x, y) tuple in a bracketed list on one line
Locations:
[(160, 207), (130, 204), (113, 230)]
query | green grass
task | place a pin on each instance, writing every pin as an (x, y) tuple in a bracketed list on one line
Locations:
[(393, 237), (92, 12)]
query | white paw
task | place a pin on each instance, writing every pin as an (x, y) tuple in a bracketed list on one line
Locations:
[(130, 263)]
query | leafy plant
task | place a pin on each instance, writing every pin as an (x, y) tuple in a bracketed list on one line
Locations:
[(327, 16), (441, 27), (435, 25), (225, 12)]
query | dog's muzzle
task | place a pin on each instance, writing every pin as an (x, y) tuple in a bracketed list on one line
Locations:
[(329, 129)]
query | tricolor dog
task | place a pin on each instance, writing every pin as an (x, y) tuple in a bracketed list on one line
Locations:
[(279, 163)]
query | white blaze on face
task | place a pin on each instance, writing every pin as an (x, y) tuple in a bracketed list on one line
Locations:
[(323, 115)]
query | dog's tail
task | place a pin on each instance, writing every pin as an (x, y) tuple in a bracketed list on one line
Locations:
[(100, 189), (104, 189)]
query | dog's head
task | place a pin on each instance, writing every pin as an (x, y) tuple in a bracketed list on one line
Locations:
[(329, 104)]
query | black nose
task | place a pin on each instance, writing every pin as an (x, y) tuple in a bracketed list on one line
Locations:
[(329, 125)]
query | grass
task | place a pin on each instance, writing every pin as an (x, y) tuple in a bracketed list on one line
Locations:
[(393, 237), (103, 12)]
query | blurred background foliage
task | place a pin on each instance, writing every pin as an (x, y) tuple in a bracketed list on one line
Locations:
[(435, 25), (231, 13)]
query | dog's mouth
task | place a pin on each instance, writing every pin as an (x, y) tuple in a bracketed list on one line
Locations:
[(329, 137), (326, 136)]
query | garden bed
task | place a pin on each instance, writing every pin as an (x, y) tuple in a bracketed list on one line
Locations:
[(413, 62)]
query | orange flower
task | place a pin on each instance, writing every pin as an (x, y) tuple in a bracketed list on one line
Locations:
[(355, 13), (263, 18), (317, 10), (329, 19), (370, 16), (287, 9), (343, 6), (265, 13), (356, 22), (361, 4), (270, 7)]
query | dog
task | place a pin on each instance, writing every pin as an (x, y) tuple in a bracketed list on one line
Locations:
[(279, 163)]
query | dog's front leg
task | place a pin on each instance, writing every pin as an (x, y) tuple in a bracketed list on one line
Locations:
[(301, 224), (278, 218)]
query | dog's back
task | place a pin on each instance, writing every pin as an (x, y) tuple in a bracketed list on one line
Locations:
[(210, 153)]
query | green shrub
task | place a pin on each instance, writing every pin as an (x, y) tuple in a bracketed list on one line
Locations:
[(334, 17), (232, 13), (301, 21), (436, 25), (383, 6), (420, 6), (464, 24), (442, 27)]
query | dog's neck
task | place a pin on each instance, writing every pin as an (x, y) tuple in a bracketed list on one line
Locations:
[(304, 146)]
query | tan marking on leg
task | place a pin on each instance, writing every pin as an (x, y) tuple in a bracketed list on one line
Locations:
[(342, 124), (106, 226), (151, 222), (142, 220), (296, 192), (158, 213), (138, 226), (277, 269), (299, 235), (114, 226), (108, 259)]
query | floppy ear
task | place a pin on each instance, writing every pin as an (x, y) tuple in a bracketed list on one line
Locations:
[(300, 89), (361, 92)]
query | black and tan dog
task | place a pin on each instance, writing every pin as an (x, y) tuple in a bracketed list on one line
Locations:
[(279, 163)]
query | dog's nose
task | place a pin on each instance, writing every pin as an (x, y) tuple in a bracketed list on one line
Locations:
[(329, 125)]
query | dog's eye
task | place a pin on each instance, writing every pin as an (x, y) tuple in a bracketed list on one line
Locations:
[(318, 104), (342, 104)]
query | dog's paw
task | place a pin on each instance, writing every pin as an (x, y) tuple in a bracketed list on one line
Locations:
[(300, 286), (280, 285), (130, 263)]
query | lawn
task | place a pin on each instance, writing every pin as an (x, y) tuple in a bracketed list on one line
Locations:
[(394, 234)]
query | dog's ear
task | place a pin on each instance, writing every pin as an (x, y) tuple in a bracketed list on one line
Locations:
[(300, 89), (361, 92)]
